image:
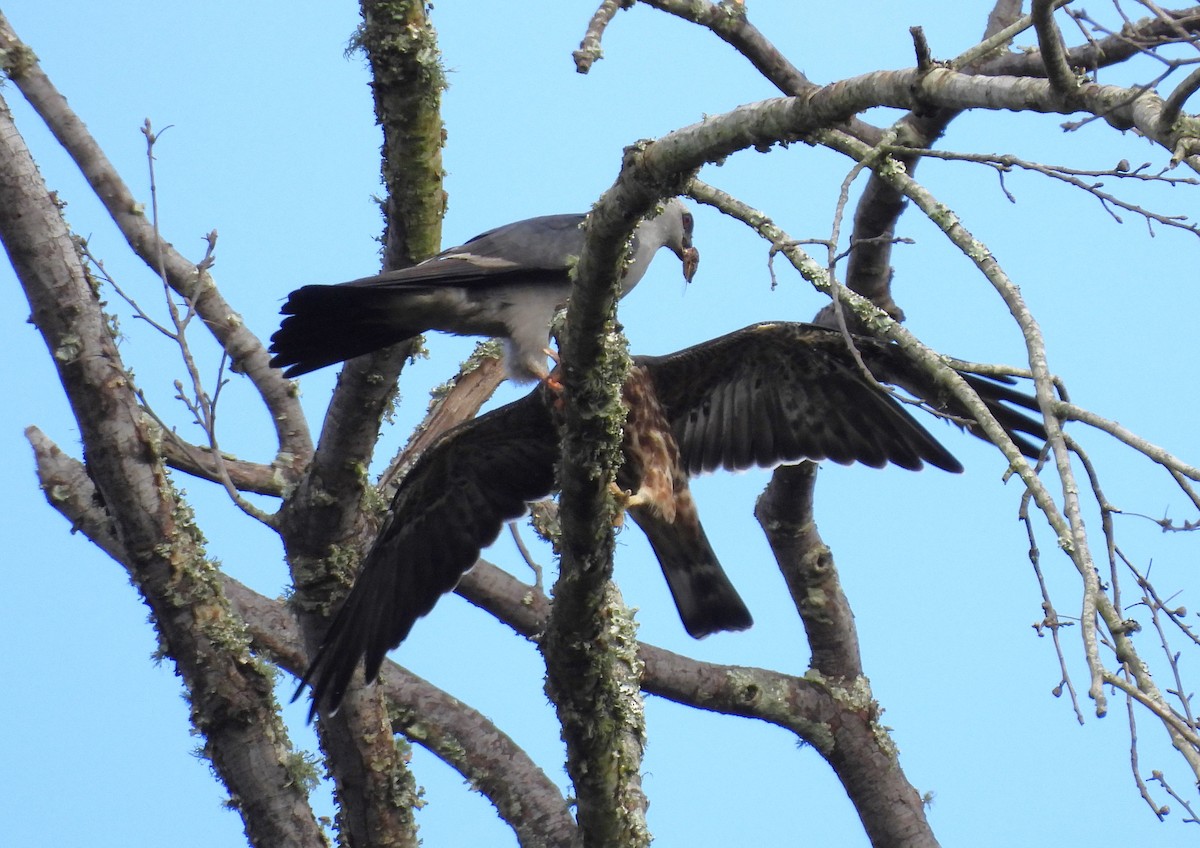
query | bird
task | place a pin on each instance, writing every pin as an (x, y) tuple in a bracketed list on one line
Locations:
[(507, 282), (768, 394)]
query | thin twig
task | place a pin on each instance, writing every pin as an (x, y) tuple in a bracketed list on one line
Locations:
[(1050, 620), (589, 48), (526, 555), (1072, 177), (1158, 809), (201, 405)]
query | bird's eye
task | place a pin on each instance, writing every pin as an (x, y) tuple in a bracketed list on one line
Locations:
[(687, 222)]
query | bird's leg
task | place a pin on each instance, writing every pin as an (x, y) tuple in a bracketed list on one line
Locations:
[(625, 500), (552, 382)]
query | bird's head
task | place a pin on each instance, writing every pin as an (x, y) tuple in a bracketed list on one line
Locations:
[(675, 224), (670, 226)]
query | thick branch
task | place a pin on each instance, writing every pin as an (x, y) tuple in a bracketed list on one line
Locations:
[(320, 521), (1061, 77), (592, 670), (890, 808), (785, 512), (451, 730), (232, 697), (836, 716)]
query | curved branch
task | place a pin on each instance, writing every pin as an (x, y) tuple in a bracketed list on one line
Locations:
[(231, 693), (449, 729), (1062, 79), (186, 278), (1174, 103), (589, 49), (836, 716), (785, 512), (1071, 412), (732, 25)]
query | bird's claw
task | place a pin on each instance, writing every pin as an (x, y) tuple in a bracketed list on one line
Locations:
[(624, 500), (550, 381)]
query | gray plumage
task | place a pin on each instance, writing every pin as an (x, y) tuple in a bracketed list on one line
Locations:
[(507, 282)]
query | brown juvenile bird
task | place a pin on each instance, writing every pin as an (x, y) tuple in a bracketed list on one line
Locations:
[(768, 394)]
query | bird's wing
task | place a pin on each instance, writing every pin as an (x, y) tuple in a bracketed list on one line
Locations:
[(521, 267), (782, 392), (533, 251), (889, 364), (451, 505)]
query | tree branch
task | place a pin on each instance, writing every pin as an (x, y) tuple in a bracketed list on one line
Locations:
[(231, 693), (1062, 78), (319, 523), (592, 668), (185, 278), (448, 728)]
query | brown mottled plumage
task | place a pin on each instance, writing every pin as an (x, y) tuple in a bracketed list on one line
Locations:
[(768, 394)]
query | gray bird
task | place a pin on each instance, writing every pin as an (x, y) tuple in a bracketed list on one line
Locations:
[(764, 395), (507, 282)]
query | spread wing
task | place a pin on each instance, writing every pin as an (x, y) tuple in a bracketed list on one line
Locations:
[(768, 394), (451, 505), (782, 392)]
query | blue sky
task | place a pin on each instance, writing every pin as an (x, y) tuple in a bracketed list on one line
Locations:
[(273, 143)]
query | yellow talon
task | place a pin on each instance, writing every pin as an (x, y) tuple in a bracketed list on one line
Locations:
[(624, 500)]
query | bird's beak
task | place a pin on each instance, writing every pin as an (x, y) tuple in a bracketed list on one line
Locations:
[(691, 261)]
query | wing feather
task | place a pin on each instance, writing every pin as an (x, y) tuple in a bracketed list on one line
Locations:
[(783, 392), (452, 504)]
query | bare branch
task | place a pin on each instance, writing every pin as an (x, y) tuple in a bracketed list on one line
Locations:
[(458, 400), (785, 511), (1051, 621), (1071, 176), (1000, 38), (1062, 79), (185, 278), (182, 455), (1070, 412), (1174, 103), (589, 49)]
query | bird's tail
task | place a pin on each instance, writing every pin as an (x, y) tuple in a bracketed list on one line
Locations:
[(328, 324), (706, 600)]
